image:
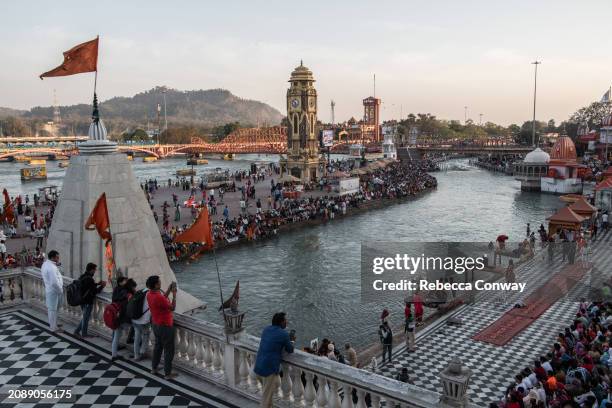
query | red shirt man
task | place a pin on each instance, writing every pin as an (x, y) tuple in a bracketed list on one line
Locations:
[(161, 308)]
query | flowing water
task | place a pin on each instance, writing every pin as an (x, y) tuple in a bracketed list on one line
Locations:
[(313, 274)]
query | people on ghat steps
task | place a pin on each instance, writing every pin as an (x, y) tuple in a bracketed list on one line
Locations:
[(576, 370)]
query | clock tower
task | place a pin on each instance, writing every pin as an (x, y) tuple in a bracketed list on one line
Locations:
[(303, 160)]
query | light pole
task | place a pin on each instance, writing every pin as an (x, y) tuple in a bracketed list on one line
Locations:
[(535, 91), (165, 117)]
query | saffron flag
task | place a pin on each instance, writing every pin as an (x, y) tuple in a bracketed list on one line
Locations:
[(200, 231), (77, 60), (9, 215), (98, 219)]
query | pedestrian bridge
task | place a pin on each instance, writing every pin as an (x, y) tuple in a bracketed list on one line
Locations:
[(215, 367)]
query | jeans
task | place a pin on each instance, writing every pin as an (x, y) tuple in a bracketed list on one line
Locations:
[(387, 348), (141, 339), (164, 341), (82, 327), (53, 299), (116, 337)]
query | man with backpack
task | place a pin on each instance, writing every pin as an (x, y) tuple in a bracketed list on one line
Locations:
[(121, 294), (88, 289), (138, 311)]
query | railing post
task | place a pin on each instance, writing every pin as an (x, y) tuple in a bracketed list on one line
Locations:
[(231, 362)]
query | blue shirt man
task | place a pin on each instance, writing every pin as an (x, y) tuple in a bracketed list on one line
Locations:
[(274, 339)]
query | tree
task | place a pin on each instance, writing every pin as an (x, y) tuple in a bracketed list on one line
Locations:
[(220, 132), (550, 127), (592, 115), (13, 126)]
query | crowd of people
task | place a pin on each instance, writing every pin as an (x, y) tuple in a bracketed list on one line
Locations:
[(575, 373), (34, 216), (133, 312), (259, 220)]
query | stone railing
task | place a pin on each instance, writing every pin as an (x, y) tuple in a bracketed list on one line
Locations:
[(205, 350)]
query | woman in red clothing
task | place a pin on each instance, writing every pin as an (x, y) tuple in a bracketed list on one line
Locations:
[(418, 308)]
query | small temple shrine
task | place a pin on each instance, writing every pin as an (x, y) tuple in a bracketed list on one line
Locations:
[(531, 170), (565, 218), (564, 172)]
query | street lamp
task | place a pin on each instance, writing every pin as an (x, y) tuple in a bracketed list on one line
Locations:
[(165, 117), (535, 89)]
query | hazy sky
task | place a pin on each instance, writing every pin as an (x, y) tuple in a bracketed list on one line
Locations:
[(434, 57)]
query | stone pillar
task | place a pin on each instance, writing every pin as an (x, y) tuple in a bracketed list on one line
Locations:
[(455, 381)]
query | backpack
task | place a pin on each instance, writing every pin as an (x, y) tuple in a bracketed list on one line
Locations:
[(73, 293), (112, 313), (135, 306)]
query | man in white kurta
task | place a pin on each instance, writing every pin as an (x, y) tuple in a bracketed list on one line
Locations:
[(54, 287)]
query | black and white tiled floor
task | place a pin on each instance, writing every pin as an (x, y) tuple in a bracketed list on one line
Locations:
[(493, 368), (33, 358)]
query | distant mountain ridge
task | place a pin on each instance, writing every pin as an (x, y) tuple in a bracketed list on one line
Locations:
[(210, 107)]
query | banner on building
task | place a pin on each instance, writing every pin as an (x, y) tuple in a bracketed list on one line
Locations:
[(328, 138)]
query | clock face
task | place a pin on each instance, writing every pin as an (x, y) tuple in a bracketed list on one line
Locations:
[(295, 103), (311, 103)]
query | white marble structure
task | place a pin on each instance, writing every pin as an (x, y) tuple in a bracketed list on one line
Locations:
[(137, 246)]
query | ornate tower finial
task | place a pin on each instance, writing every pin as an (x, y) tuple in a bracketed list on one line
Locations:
[(301, 63), (95, 116)]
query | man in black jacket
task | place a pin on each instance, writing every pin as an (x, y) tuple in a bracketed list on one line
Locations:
[(89, 290)]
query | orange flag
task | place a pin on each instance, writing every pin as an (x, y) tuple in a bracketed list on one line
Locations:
[(98, 219), (200, 231), (77, 60), (9, 215)]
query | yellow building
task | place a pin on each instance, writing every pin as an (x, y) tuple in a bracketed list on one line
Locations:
[(303, 159)]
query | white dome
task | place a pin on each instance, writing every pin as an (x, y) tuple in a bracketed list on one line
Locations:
[(537, 156)]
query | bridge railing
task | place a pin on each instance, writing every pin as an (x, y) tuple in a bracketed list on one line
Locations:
[(204, 350)]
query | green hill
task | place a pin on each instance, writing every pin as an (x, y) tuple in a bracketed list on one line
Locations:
[(210, 107)]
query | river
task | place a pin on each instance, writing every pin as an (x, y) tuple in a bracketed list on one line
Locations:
[(314, 274)]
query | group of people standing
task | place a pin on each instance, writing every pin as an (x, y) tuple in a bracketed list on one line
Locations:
[(132, 311)]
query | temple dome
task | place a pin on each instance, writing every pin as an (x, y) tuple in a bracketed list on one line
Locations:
[(563, 150), (301, 73), (537, 156)]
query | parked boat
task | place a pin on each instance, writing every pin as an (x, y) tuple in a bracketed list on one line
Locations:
[(33, 173), (193, 161), (37, 162), (149, 159), (185, 172), (63, 164), (228, 156)]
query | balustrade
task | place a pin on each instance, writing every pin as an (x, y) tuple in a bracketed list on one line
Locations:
[(204, 350)]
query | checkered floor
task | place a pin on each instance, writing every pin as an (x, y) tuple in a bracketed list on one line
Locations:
[(493, 367), (33, 358)]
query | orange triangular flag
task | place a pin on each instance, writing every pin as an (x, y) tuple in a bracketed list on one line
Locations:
[(98, 219), (77, 60), (200, 231)]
